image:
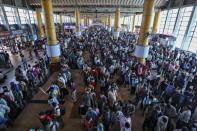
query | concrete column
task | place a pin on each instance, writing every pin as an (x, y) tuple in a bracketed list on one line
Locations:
[(6, 19), (53, 49), (156, 21), (88, 21), (123, 20), (133, 24), (77, 17), (109, 20), (70, 19), (142, 48), (61, 24), (39, 24), (117, 23)]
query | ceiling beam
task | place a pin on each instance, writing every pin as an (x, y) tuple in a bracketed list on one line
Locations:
[(90, 12), (93, 6)]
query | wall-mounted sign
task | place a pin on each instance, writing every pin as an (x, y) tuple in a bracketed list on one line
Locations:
[(69, 27), (4, 33), (26, 29), (17, 32), (14, 27)]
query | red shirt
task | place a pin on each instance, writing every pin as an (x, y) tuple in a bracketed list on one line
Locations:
[(94, 73), (46, 118), (145, 68), (88, 124)]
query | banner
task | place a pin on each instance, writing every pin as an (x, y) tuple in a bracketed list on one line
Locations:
[(17, 32), (4, 33)]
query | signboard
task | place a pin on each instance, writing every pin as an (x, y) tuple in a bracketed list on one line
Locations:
[(26, 29), (69, 27), (97, 21), (4, 33), (14, 27), (17, 32)]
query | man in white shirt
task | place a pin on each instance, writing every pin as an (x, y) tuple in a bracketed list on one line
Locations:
[(184, 118), (61, 80), (162, 123), (112, 96)]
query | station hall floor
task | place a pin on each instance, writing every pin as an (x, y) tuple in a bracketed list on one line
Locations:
[(28, 118)]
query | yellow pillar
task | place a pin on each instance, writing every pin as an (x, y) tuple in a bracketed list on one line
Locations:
[(53, 49), (123, 23), (70, 19), (105, 19), (39, 21), (133, 25), (88, 22), (85, 21), (77, 17), (61, 24), (105, 22), (109, 21), (116, 23), (156, 21), (141, 50), (123, 20)]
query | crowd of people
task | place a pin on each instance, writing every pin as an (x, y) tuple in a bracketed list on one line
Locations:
[(52, 118), (164, 88), (16, 95), (5, 60)]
